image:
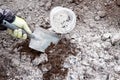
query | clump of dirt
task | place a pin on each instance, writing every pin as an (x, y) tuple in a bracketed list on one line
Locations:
[(23, 48), (56, 56)]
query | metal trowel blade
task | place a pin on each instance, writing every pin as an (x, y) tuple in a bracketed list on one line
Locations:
[(43, 38)]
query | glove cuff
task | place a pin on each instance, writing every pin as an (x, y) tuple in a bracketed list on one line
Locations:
[(6, 14)]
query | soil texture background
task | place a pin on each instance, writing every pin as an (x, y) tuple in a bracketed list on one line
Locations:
[(90, 52)]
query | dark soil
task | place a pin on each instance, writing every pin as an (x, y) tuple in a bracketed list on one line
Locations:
[(56, 56)]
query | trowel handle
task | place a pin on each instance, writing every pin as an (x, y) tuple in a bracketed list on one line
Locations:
[(13, 27)]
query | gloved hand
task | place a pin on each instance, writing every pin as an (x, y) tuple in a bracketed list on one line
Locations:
[(19, 22)]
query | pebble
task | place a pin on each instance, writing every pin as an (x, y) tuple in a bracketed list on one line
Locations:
[(73, 41), (48, 5), (97, 18), (106, 36), (92, 24), (23, 57), (70, 61), (72, 76), (101, 14), (46, 67), (40, 59), (106, 45), (67, 65), (116, 38), (15, 62), (98, 45), (85, 63), (74, 36), (99, 7), (41, 4), (79, 39), (117, 69), (30, 8)]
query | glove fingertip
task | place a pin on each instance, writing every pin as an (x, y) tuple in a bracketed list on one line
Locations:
[(15, 33), (19, 33), (29, 31), (24, 36)]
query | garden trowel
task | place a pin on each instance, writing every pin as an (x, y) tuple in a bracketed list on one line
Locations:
[(40, 38)]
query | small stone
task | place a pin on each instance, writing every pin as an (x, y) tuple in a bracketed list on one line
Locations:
[(98, 45), (74, 36), (30, 8), (46, 67), (97, 18), (73, 60), (37, 15), (70, 61), (73, 41), (18, 13), (72, 75), (115, 39), (67, 65), (85, 63), (117, 69), (92, 25), (15, 62), (79, 39), (101, 14), (40, 59), (99, 7), (106, 45), (29, 19), (48, 5), (106, 36), (23, 57), (42, 4)]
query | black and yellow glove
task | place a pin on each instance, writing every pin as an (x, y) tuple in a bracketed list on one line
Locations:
[(8, 15), (19, 22)]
